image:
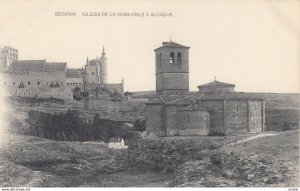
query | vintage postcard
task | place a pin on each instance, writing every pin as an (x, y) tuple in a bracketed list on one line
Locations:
[(202, 94)]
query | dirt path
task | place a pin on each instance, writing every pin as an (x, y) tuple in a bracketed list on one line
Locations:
[(254, 137)]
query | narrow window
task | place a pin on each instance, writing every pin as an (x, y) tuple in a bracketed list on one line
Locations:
[(28, 83), (61, 83), (92, 73), (172, 57), (38, 83), (159, 60), (237, 108), (179, 58)]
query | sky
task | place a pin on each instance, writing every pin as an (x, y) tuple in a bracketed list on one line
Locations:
[(253, 44)]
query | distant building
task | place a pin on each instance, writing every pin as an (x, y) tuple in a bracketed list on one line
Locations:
[(31, 78), (117, 143), (215, 109)]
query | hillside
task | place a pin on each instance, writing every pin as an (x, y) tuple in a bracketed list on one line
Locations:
[(27, 161), (259, 160)]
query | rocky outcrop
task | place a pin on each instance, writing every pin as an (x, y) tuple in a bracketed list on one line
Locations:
[(223, 169), (167, 154)]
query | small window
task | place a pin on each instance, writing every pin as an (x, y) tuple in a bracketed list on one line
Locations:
[(237, 108), (92, 73), (79, 83), (38, 83), (29, 93), (14, 83), (28, 83), (21, 74), (61, 83), (172, 57)]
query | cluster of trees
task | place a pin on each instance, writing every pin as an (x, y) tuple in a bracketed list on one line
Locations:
[(70, 127), (78, 94)]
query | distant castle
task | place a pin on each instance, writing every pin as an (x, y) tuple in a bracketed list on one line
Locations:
[(38, 78)]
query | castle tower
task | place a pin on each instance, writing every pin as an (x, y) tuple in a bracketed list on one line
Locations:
[(7, 56), (172, 69), (103, 68)]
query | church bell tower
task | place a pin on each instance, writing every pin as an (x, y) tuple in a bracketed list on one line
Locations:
[(172, 69)]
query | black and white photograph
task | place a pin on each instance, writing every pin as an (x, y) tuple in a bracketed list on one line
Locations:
[(138, 94)]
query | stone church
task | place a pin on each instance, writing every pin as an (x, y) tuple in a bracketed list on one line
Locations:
[(216, 109), (39, 78)]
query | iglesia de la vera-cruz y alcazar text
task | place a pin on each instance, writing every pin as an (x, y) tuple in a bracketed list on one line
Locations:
[(39, 78), (215, 109)]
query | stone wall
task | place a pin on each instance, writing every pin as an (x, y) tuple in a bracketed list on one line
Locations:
[(62, 92), (173, 120), (216, 108), (172, 83), (36, 84), (256, 122), (155, 119), (236, 116), (194, 122)]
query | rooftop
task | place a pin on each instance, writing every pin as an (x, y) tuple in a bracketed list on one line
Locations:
[(37, 66), (216, 83), (171, 45), (74, 73)]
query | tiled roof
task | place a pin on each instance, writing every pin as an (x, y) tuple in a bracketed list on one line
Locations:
[(216, 83), (192, 98), (27, 65), (172, 45), (55, 66), (37, 65), (74, 73), (225, 95)]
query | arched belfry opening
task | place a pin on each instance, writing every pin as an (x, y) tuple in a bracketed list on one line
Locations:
[(179, 58), (172, 57)]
